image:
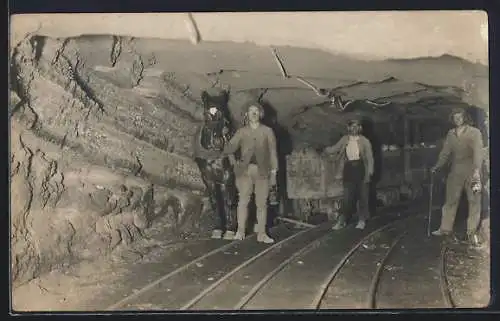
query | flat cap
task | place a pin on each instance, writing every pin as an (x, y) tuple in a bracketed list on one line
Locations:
[(354, 119)]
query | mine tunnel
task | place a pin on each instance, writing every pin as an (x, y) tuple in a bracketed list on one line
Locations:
[(109, 210)]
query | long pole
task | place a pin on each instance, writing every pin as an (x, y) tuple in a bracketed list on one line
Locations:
[(431, 187)]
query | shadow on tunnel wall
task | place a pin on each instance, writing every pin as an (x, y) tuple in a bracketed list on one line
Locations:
[(370, 133), (284, 147), (477, 117)]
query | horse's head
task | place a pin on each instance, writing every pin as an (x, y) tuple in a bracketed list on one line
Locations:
[(215, 108), (216, 116)]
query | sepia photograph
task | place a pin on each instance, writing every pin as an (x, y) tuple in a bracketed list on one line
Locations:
[(215, 161)]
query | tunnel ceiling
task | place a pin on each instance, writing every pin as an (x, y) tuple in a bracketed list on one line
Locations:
[(426, 87)]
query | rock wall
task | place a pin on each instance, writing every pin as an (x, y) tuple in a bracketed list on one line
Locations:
[(93, 161)]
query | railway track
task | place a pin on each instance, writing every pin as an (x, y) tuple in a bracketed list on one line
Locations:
[(473, 291), (354, 280), (444, 284), (314, 268), (415, 275), (357, 282), (168, 291), (322, 265), (238, 283)]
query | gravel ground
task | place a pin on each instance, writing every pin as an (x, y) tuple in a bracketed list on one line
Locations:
[(468, 273), (70, 287)]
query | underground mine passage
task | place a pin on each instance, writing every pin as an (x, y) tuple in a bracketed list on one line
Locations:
[(102, 131)]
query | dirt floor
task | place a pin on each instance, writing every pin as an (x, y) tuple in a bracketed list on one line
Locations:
[(472, 291), (70, 287), (73, 287)]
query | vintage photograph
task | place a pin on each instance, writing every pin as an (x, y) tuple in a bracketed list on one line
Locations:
[(249, 161)]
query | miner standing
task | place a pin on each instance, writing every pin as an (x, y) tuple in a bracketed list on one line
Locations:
[(354, 157), (463, 148), (256, 169)]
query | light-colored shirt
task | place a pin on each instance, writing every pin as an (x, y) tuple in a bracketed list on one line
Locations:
[(352, 148), (365, 153)]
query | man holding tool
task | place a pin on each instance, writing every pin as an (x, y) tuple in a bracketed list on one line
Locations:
[(463, 148)]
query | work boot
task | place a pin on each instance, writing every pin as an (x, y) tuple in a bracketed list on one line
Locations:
[(361, 225), (217, 234), (339, 225), (440, 232), (239, 236), (452, 239), (229, 235), (264, 238), (473, 241)]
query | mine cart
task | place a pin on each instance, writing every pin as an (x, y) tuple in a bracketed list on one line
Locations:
[(314, 185)]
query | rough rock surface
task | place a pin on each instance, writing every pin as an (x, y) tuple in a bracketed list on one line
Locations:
[(93, 161)]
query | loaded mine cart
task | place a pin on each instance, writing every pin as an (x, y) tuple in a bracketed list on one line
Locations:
[(408, 147)]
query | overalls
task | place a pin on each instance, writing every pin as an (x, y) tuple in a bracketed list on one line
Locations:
[(465, 150)]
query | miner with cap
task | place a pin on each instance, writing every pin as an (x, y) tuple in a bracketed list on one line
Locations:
[(354, 157), (256, 168), (462, 147)]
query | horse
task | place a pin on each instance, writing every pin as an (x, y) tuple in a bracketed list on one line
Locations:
[(216, 170)]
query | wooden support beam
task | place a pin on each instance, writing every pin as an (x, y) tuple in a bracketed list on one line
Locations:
[(417, 134), (289, 220), (406, 151)]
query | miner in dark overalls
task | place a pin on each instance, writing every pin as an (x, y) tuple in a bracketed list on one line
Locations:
[(463, 148), (354, 157)]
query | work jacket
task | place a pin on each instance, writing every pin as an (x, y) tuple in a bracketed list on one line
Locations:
[(465, 152), (259, 141), (340, 155)]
